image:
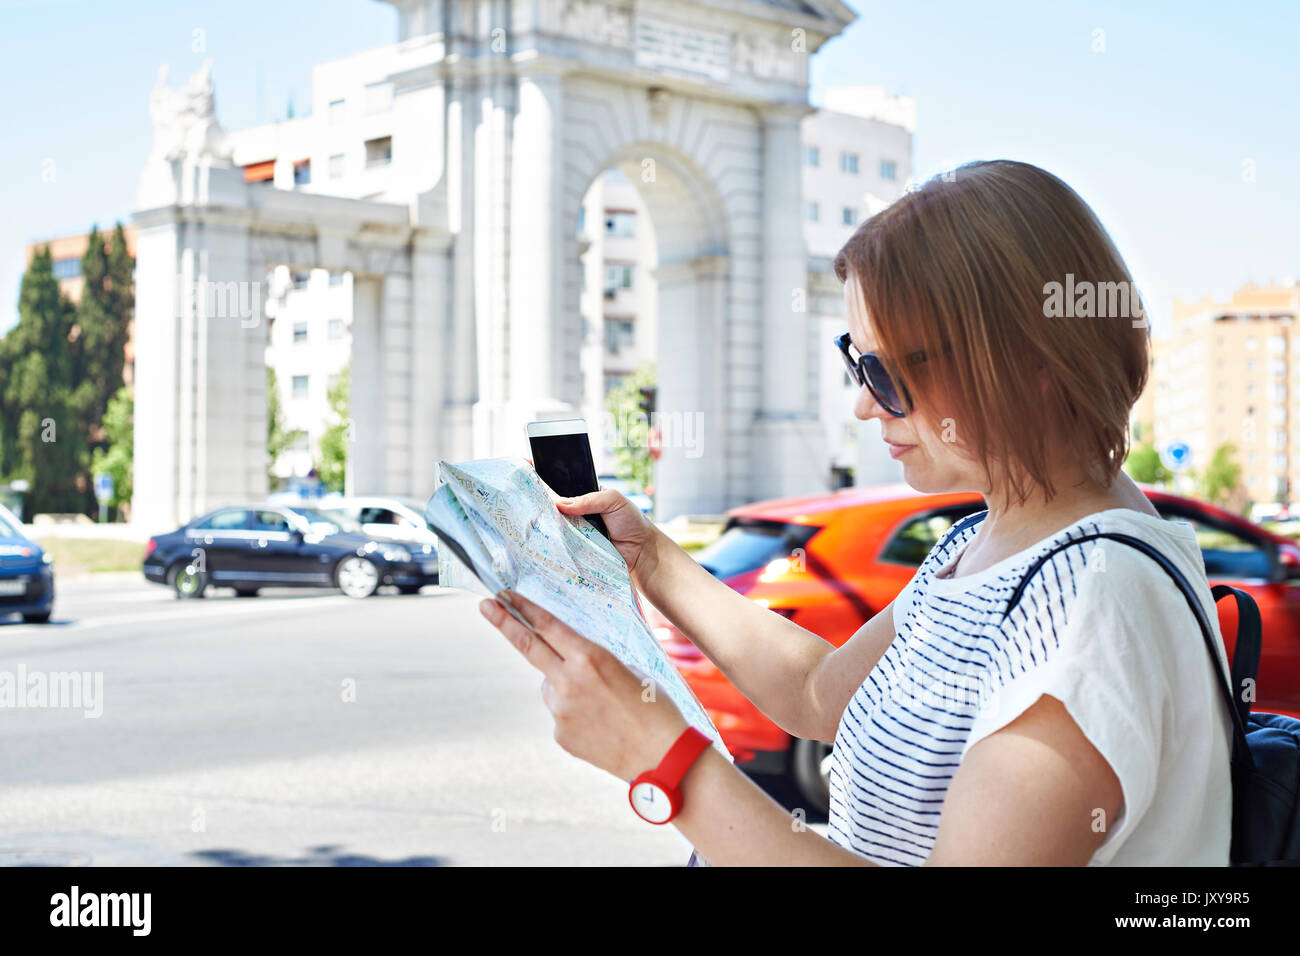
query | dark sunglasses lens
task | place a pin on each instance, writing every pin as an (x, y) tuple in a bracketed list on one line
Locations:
[(882, 384)]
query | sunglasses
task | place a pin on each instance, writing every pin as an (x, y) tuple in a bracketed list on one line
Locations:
[(869, 370)]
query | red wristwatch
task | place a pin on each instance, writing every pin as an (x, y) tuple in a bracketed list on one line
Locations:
[(656, 795)]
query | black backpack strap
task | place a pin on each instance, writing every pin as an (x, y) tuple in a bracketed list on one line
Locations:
[(1249, 646), (1240, 749)]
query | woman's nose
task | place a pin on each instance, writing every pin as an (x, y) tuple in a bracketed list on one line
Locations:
[(866, 407)]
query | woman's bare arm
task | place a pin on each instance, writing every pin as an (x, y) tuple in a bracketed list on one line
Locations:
[(799, 680)]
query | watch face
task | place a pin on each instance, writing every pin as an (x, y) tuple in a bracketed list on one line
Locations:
[(651, 803)]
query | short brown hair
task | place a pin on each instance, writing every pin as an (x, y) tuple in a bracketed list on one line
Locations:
[(967, 261)]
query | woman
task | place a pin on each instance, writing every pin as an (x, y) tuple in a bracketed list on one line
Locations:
[(1084, 728)]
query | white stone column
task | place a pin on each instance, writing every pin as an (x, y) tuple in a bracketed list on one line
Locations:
[(537, 251), (366, 407), (200, 331), (460, 348), (690, 403), (789, 448)]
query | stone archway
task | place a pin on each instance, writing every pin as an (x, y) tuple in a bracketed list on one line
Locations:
[(465, 311)]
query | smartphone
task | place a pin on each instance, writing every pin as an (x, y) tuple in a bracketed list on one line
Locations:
[(562, 459)]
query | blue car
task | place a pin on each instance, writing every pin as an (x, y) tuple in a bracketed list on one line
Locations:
[(26, 573)]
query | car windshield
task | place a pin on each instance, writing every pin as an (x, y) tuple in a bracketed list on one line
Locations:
[(338, 521), (748, 546), (9, 526)]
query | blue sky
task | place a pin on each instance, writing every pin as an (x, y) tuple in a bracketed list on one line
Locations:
[(1154, 132)]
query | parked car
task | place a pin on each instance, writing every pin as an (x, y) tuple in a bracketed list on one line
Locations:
[(255, 546), (830, 562), (26, 573), (389, 519)]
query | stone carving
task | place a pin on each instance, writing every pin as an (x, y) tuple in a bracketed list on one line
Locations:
[(185, 120), (590, 20), (768, 59)]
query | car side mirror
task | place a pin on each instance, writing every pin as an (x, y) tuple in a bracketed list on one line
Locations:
[(296, 535), (1287, 565)]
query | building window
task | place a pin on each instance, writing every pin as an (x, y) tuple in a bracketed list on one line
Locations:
[(379, 97), (1276, 344), (582, 219), (301, 279), (849, 216), (379, 152), (300, 333), (614, 381), (67, 268), (302, 172), (811, 211), (617, 276), (336, 278), (336, 166), (619, 334), (620, 223), (812, 156), (335, 329), (849, 163), (888, 170), (1251, 344), (336, 111), (300, 386)]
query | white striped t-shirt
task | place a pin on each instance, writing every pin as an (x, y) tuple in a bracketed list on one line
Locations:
[(1106, 632)]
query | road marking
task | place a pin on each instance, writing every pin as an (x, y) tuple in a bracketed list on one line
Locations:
[(261, 605)]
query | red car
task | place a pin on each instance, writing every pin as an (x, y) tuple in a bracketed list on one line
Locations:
[(831, 561)]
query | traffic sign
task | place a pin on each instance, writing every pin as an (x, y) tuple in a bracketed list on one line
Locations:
[(103, 487), (1176, 455)]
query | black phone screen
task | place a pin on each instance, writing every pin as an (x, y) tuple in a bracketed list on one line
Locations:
[(564, 462)]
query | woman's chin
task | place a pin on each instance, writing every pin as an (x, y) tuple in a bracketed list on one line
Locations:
[(925, 480)]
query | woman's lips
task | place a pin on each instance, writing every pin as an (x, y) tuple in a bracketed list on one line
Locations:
[(897, 451)]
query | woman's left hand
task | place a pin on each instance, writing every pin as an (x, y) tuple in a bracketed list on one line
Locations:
[(603, 713)]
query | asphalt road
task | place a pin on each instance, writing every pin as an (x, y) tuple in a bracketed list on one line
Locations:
[(298, 728)]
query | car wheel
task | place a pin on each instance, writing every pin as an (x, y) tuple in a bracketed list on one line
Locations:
[(810, 768), (357, 577), (408, 588), (188, 581), (41, 617), (245, 592)]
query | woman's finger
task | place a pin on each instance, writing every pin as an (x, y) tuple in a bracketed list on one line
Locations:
[(530, 643), (594, 502), (564, 640)]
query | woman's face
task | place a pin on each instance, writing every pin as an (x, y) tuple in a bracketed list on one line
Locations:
[(925, 442)]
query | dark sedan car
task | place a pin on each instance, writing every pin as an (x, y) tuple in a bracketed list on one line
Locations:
[(26, 573), (250, 547)]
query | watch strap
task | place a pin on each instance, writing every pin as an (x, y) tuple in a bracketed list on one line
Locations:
[(681, 755)]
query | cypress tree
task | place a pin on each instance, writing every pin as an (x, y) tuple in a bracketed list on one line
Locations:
[(40, 438)]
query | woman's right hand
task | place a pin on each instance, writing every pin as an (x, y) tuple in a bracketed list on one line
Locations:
[(630, 531)]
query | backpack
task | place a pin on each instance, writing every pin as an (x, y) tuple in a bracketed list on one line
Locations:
[(1265, 764)]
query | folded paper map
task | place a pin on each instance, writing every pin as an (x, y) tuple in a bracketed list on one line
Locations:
[(499, 528)]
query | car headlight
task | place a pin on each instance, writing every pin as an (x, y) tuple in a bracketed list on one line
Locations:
[(47, 558), (397, 554)]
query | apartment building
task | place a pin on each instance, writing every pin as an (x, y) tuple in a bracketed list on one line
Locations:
[(1224, 373)]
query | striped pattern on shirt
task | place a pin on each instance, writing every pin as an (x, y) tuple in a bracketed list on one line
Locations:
[(902, 735)]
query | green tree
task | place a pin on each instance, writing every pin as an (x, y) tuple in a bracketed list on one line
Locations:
[(632, 452), (1219, 482), (116, 458), (278, 438), (1144, 465), (40, 438), (102, 326), (332, 470)]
